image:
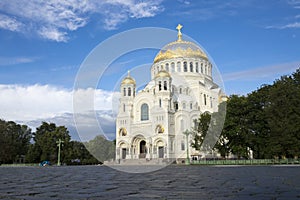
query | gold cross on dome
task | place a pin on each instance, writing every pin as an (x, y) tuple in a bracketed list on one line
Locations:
[(179, 27)]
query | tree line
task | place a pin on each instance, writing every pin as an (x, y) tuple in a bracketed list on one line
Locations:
[(265, 122), (19, 142)]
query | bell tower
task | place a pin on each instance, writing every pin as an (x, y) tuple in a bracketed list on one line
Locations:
[(127, 95)]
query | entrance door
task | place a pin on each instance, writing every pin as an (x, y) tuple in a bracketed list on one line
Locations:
[(123, 153), (160, 152), (142, 149)]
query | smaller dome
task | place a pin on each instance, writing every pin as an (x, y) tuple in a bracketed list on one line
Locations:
[(128, 80), (163, 74)]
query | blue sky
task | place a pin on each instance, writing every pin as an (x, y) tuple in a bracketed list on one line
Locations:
[(43, 43)]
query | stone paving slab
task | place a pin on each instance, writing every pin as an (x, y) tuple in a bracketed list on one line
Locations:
[(172, 182)]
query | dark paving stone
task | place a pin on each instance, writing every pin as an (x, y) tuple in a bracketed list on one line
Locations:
[(172, 182)]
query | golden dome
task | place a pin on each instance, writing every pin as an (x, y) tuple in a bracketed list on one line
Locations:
[(163, 74), (128, 80), (180, 49)]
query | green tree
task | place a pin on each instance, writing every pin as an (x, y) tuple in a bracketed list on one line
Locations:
[(259, 129), (45, 146), (78, 154), (216, 130), (200, 130), (14, 141), (236, 126), (283, 116), (101, 148), (266, 121)]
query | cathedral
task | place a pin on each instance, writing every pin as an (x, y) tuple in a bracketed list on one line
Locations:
[(151, 122)]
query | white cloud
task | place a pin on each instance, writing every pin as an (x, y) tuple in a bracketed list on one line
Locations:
[(115, 12), (112, 22), (53, 34), (4, 61), (184, 2), (45, 101), (294, 3), (53, 19), (290, 25), (10, 23)]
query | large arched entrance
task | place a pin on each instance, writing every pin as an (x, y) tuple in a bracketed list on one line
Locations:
[(143, 149)]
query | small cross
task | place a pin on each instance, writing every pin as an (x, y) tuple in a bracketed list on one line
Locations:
[(179, 27)]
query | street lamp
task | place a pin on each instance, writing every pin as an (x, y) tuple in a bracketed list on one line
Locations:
[(187, 133), (59, 142)]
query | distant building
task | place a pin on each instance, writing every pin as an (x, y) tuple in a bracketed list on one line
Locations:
[(150, 123)]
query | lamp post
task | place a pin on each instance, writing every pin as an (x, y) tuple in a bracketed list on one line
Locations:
[(187, 133), (59, 142)]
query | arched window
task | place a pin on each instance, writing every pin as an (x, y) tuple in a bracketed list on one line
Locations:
[(159, 85), (181, 125), (191, 106), (204, 96), (129, 91), (197, 68), (172, 67), (159, 102), (183, 106), (176, 105), (165, 85), (178, 67), (180, 90), (167, 67), (182, 145), (124, 108), (185, 66), (201, 68), (144, 112), (191, 67), (195, 121), (211, 102), (205, 69), (124, 91)]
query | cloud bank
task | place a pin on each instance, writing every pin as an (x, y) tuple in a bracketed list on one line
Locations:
[(54, 19), (32, 102)]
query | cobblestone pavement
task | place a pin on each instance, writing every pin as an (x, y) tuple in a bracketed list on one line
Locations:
[(172, 182)]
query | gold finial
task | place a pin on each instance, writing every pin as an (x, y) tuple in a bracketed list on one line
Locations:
[(179, 27)]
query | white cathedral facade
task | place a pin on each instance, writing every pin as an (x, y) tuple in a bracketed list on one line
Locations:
[(150, 123)]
